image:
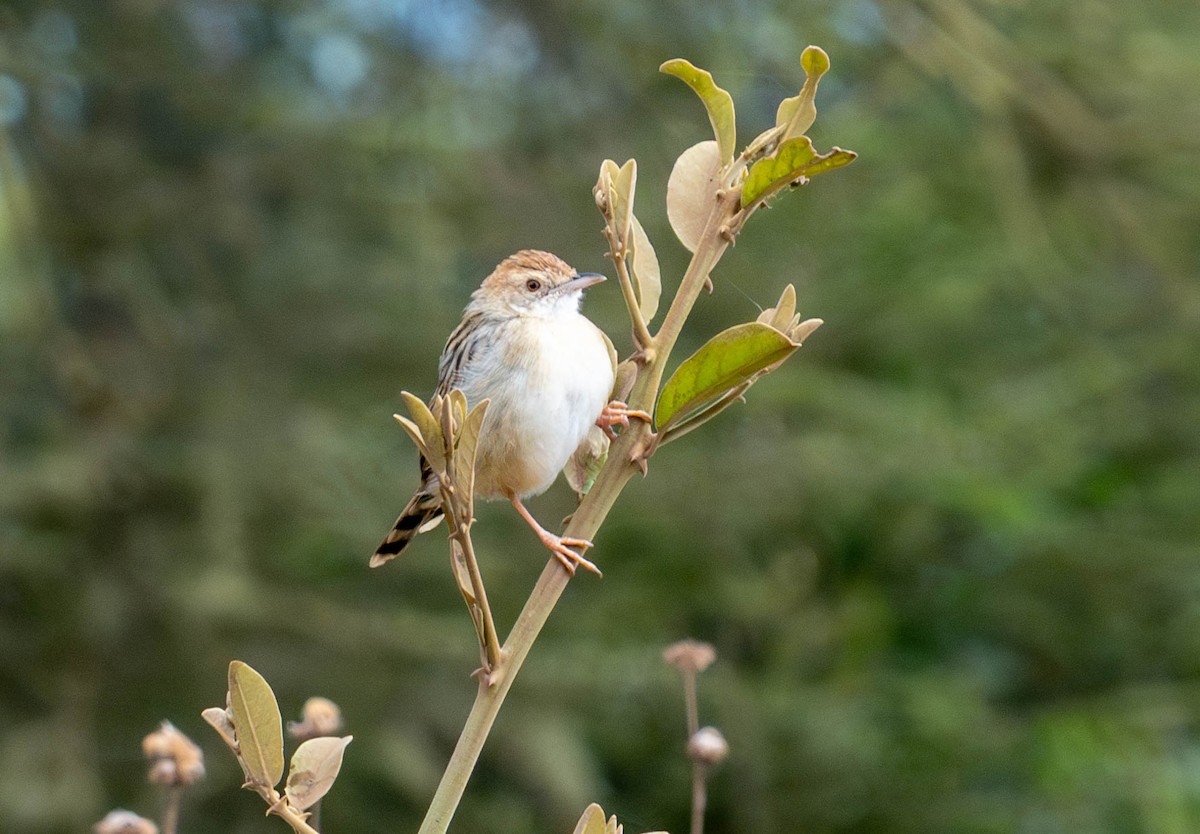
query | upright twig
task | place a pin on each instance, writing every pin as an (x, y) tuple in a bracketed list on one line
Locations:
[(715, 211), (621, 465), (170, 820)]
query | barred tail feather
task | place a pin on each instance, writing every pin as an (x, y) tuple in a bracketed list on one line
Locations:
[(423, 512)]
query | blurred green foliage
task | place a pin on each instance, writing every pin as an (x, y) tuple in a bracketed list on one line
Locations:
[(948, 555)]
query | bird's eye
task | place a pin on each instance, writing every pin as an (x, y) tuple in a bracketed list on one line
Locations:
[(533, 285)]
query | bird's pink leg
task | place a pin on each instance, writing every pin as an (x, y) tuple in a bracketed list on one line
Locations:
[(617, 413), (558, 545)]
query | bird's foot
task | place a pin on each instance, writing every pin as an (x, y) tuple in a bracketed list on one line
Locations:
[(561, 547), (617, 413)]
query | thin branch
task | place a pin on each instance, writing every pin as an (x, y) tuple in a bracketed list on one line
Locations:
[(595, 507), (619, 252), (280, 808), (699, 796), (170, 821), (488, 636)]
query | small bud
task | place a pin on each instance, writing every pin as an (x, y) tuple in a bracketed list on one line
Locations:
[(690, 655), (124, 822), (174, 758), (707, 746), (320, 717)]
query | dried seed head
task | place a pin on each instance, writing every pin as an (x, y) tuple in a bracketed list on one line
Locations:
[(707, 746), (174, 758), (320, 717), (124, 822), (690, 655)]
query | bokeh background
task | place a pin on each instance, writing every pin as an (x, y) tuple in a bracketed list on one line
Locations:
[(949, 555)]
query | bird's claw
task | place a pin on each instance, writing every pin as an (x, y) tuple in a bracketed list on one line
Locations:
[(561, 547), (617, 413)]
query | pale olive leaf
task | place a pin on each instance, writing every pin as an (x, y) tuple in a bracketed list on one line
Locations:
[(623, 194), (257, 724), (430, 430), (586, 461), (413, 431), (727, 360), (458, 408), (458, 562), (780, 316), (717, 102), (218, 719), (464, 452), (801, 331), (646, 274), (604, 186), (612, 352), (592, 821), (796, 114), (692, 191), (794, 163), (315, 766)]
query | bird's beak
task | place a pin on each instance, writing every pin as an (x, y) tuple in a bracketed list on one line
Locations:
[(582, 281)]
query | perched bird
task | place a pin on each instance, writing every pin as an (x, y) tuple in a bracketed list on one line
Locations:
[(524, 345)]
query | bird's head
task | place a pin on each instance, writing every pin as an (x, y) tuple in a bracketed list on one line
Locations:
[(534, 283)]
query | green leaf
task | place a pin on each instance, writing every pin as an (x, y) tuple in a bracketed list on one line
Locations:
[(794, 160), (717, 102), (592, 821), (257, 723), (796, 114), (315, 765), (727, 360), (646, 274), (692, 191)]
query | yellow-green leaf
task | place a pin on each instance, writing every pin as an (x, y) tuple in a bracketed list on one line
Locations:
[(315, 765), (727, 360), (646, 274), (257, 724), (796, 158), (692, 191), (592, 821), (796, 114), (717, 102)]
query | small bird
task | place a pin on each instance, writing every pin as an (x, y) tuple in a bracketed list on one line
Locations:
[(524, 345)]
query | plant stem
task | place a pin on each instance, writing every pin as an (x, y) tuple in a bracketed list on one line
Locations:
[(689, 700), (170, 822), (699, 796), (641, 334), (276, 806), (595, 507), (550, 585), (488, 636)]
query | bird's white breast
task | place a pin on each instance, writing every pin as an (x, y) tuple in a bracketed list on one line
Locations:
[(548, 380)]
